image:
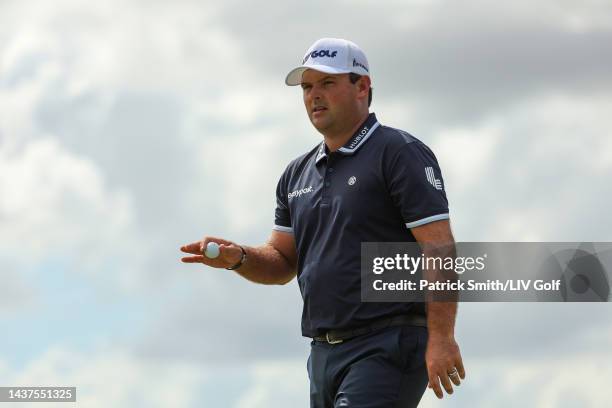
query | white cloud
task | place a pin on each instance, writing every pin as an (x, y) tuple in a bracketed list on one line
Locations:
[(111, 378), (99, 47), (577, 16), (468, 152), (563, 381), (276, 384), (522, 171), (127, 125), (56, 205), (107, 376), (249, 170)]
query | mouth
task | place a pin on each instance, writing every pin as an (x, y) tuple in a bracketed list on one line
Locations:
[(319, 109)]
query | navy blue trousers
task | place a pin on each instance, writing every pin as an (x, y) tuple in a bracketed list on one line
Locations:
[(383, 369)]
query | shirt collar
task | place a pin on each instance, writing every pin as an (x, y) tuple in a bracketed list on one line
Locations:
[(356, 141)]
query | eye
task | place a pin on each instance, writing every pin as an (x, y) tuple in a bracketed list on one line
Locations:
[(328, 82), (306, 87)]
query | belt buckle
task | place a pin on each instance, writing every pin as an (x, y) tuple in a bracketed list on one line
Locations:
[(334, 341)]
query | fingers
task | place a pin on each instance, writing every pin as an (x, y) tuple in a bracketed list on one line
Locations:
[(455, 378), (197, 247), (215, 263), (434, 384), (460, 369), (193, 248), (229, 253), (218, 240), (193, 259), (444, 378), (457, 373), (444, 365)]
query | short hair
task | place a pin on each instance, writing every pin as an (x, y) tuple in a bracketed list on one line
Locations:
[(353, 77)]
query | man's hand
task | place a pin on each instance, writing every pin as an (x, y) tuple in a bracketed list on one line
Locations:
[(442, 359), (273, 263), (229, 253)]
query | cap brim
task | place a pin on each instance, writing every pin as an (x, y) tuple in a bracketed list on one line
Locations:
[(294, 77)]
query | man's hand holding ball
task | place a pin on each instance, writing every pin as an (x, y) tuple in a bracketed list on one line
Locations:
[(215, 252)]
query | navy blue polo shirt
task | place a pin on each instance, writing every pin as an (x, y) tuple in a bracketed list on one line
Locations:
[(376, 187)]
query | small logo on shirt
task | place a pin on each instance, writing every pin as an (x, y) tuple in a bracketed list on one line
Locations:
[(343, 402), (429, 173), (352, 180), (360, 136), (298, 193)]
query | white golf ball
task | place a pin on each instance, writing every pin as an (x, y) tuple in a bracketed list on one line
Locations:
[(212, 250)]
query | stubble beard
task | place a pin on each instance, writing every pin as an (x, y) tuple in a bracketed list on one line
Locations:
[(322, 125)]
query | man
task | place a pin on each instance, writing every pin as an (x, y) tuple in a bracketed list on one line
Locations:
[(364, 183)]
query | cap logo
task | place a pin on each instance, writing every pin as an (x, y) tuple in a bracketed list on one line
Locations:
[(320, 53), (359, 64)]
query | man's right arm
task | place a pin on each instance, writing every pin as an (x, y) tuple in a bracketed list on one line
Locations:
[(274, 263)]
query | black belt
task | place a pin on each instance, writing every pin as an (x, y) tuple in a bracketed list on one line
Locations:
[(338, 336)]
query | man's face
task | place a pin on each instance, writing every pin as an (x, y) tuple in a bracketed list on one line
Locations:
[(330, 99)]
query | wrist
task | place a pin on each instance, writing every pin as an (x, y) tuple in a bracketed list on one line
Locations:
[(242, 260), (440, 336)]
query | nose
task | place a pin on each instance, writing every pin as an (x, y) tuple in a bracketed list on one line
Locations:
[(315, 92), (314, 95)]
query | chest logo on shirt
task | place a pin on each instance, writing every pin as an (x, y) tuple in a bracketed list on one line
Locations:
[(429, 173), (298, 193), (352, 180)]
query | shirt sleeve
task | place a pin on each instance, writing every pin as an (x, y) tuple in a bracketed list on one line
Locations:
[(282, 216), (416, 186)]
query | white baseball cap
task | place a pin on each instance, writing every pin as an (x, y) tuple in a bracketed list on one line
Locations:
[(332, 56)]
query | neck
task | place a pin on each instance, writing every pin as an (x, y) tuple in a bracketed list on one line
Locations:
[(335, 140)]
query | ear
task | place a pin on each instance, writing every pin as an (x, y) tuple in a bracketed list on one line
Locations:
[(363, 85)]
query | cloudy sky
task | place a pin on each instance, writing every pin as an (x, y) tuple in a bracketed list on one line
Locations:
[(128, 128)]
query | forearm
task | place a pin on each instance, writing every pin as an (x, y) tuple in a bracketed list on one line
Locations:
[(443, 358), (441, 305), (265, 264), (441, 319)]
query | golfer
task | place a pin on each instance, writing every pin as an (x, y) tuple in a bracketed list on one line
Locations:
[(365, 182)]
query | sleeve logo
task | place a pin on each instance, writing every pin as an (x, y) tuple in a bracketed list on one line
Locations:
[(429, 173)]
